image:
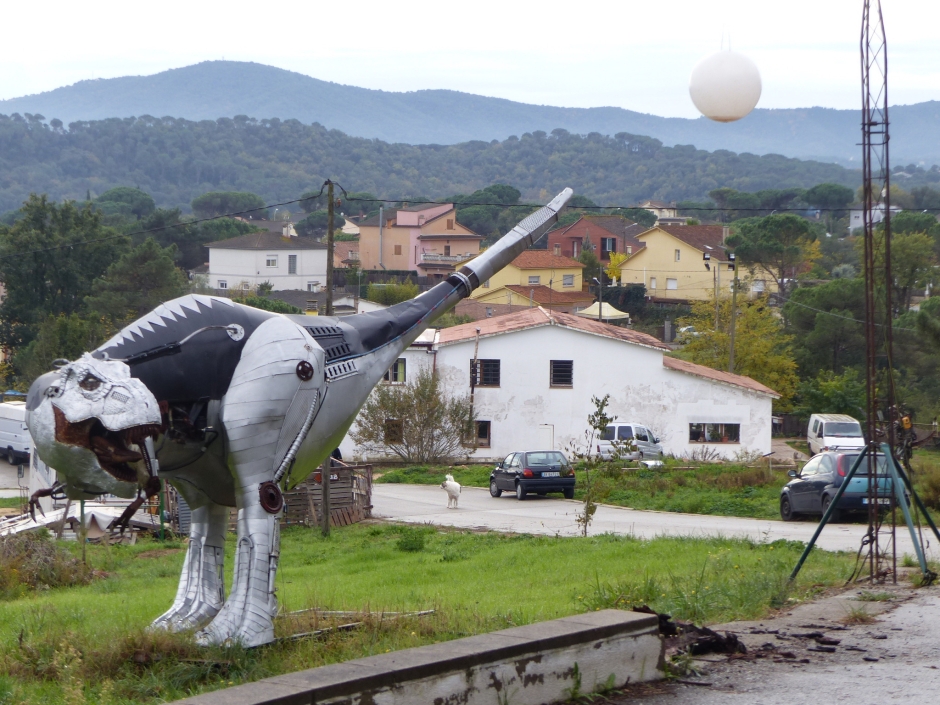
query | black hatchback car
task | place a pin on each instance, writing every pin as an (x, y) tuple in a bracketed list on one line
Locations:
[(533, 471), (812, 489)]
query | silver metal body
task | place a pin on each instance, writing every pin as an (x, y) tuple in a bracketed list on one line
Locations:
[(288, 401)]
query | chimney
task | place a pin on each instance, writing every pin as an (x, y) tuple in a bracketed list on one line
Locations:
[(725, 232)]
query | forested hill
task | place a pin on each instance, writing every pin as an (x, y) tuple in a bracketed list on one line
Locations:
[(176, 160), (214, 89)]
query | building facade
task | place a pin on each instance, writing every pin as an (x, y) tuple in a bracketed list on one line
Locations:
[(602, 233), (537, 371), (672, 266), (426, 239), (242, 263)]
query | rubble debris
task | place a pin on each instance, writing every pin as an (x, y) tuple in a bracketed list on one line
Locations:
[(685, 637)]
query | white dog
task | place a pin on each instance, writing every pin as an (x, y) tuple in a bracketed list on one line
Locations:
[(453, 491)]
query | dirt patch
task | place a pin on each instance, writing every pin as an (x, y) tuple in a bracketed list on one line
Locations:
[(159, 552)]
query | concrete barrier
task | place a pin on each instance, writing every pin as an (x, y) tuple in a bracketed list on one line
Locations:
[(538, 663)]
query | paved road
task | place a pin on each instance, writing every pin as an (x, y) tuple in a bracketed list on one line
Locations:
[(552, 516)]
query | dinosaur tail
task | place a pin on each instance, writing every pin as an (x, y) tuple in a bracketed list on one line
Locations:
[(382, 327)]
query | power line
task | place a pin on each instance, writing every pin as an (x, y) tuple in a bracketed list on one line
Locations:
[(613, 207)]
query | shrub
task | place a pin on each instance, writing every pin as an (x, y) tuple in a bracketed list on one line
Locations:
[(29, 562), (411, 541)]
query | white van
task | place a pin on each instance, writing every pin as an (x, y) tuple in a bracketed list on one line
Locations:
[(833, 432), (15, 442), (626, 432)]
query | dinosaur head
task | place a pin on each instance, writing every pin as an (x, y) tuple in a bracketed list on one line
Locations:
[(90, 421)]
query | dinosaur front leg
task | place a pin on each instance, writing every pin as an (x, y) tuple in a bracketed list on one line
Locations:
[(248, 616), (201, 591)]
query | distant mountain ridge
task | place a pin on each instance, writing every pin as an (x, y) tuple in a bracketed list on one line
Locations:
[(216, 89)]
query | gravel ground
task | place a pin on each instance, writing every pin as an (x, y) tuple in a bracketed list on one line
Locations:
[(813, 653)]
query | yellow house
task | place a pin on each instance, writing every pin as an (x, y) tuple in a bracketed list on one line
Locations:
[(671, 263), (536, 268), (537, 278), (425, 238)]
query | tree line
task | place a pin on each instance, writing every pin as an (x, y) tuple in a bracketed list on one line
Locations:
[(178, 160)]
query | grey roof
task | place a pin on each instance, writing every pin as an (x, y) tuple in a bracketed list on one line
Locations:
[(268, 241)]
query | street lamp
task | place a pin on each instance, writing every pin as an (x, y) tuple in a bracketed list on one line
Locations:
[(600, 295)]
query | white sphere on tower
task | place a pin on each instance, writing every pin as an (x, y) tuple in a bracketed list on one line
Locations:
[(725, 86)]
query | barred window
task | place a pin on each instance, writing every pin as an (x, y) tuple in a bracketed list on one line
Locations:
[(477, 435), (562, 373), (484, 373), (394, 431)]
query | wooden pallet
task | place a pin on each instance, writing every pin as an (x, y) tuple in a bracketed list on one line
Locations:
[(350, 499)]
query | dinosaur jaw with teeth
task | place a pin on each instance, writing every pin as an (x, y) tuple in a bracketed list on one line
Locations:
[(116, 451)]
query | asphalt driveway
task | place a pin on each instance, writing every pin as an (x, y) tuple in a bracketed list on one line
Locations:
[(424, 504)]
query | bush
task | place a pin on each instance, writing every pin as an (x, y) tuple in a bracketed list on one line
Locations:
[(411, 541), (928, 486), (30, 562)]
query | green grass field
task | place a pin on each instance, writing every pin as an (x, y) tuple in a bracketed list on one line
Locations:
[(88, 643)]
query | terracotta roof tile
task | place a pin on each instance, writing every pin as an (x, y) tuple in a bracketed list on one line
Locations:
[(536, 317), (543, 259), (674, 363), (542, 294), (705, 238)]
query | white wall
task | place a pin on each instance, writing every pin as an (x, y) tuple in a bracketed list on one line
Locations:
[(526, 412), (238, 266)]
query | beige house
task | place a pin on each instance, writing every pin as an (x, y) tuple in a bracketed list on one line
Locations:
[(672, 264), (660, 209), (424, 238)]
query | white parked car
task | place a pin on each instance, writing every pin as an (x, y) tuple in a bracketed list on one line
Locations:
[(833, 432), (15, 442), (629, 434)]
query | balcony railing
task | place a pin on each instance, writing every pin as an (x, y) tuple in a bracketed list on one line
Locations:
[(431, 257)]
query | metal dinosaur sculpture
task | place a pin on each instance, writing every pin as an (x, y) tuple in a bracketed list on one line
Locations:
[(230, 405)]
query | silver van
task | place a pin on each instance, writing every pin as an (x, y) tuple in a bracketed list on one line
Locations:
[(14, 435), (626, 432), (833, 432)]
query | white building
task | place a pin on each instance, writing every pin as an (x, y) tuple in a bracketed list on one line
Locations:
[(538, 370), (856, 216), (247, 261)]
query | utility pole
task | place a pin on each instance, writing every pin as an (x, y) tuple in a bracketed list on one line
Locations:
[(600, 294), (734, 310), (325, 470), (717, 293), (329, 258)]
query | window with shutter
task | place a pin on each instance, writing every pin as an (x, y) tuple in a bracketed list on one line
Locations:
[(561, 373)]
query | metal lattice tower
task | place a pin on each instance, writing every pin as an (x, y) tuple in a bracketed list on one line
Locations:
[(876, 200)]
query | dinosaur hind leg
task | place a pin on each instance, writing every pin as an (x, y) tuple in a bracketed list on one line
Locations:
[(201, 591)]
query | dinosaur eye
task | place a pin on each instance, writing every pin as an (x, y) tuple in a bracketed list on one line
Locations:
[(89, 383)]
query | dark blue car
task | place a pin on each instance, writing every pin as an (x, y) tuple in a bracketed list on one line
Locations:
[(533, 472), (812, 489)]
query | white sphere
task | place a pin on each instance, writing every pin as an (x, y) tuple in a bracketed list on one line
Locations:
[(725, 86)]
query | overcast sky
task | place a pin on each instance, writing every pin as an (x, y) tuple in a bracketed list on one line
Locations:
[(626, 53)]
